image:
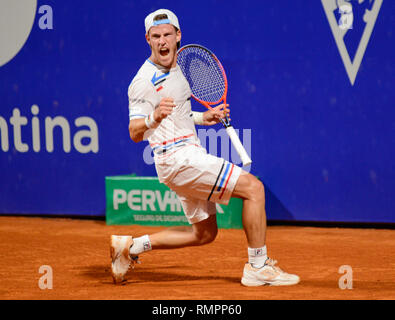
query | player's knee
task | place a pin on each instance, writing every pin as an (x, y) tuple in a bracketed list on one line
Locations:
[(257, 190), (209, 236), (206, 236)]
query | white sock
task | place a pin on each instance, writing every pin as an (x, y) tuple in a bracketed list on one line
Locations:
[(140, 245), (257, 256)]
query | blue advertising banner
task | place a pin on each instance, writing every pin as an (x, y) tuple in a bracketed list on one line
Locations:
[(311, 92)]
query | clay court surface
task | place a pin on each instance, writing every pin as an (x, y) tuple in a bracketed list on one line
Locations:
[(78, 253)]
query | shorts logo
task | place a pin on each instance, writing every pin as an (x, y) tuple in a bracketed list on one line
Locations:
[(17, 18), (350, 18)]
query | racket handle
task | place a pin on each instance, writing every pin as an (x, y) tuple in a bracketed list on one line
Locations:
[(238, 146)]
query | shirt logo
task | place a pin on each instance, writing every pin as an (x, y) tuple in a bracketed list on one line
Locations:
[(157, 80)]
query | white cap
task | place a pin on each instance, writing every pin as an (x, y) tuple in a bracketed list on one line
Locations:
[(171, 19)]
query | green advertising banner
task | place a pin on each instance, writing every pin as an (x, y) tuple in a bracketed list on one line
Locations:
[(146, 201)]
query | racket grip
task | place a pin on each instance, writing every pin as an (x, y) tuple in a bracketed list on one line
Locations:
[(238, 146)]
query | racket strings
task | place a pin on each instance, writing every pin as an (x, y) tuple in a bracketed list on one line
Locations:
[(203, 73)]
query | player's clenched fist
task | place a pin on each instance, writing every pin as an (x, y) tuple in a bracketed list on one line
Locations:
[(165, 107)]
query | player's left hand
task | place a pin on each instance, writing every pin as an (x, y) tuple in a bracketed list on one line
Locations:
[(214, 115)]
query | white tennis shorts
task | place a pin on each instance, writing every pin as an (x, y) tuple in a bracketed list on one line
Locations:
[(199, 179)]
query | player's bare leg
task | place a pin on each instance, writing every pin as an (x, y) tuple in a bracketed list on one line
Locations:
[(251, 190), (125, 249), (260, 269), (198, 234)]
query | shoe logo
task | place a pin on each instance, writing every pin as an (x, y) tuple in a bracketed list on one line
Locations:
[(350, 18), (17, 18), (269, 274)]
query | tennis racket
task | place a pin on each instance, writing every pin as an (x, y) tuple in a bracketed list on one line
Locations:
[(209, 85)]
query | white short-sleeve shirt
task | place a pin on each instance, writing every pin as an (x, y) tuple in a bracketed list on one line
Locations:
[(152, 83)]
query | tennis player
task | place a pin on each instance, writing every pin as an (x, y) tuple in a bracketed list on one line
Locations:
[(160, 112)]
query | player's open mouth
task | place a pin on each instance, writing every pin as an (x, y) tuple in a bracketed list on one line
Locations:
[(164, 52)]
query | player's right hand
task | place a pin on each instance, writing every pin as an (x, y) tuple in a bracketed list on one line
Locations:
[(165, 107)]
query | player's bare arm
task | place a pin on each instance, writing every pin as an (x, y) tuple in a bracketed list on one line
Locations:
[(137, 127)]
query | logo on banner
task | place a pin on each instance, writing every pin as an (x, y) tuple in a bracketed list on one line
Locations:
[(150, 200), (16, 23), (352, 23)]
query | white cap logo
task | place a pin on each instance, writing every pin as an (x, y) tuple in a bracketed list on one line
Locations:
[(16, 22)]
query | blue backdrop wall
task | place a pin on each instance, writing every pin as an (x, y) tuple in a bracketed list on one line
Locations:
[(322, 143)]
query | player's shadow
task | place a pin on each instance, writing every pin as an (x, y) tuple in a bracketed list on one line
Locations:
[(274, 208), (157, 274), (149, 275)]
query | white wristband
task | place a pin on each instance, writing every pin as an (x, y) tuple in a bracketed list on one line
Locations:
[(198, 117), (150, 121)]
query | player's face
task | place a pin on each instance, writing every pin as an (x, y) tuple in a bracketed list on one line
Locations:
[(163, 42)]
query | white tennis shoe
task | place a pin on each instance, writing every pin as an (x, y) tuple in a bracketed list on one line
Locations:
[(269, 274), (121, 260)]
